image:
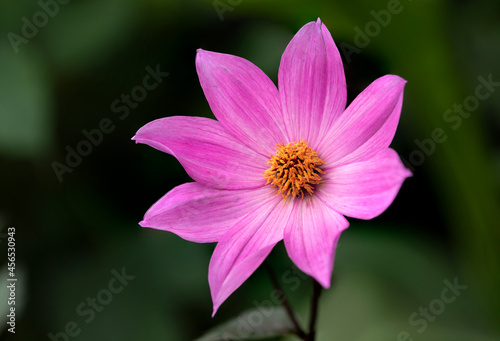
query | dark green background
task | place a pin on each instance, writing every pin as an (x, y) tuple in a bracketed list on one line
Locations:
[(70, 235)]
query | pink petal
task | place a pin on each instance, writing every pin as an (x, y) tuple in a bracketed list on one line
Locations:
[(364, 189), (202, 214), (245, 246), (368, 125), (311, 83), (209, 154), (311, 238), (243, 99)]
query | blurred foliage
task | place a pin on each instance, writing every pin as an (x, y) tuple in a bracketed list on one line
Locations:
[(26, 124), (72, 234)]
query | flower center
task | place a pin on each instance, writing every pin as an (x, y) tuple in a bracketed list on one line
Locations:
[(294, 169)]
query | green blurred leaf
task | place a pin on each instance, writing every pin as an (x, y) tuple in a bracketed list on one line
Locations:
[(135, 312), (85, 33), (253, 324), (25, 103)]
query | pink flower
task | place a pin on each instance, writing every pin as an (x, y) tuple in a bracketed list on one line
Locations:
[(278, 165)]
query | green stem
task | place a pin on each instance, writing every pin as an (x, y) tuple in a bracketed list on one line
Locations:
[(286, 304), (314, 310)]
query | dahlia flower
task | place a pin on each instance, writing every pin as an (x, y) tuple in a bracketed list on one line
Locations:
[(279, 163)]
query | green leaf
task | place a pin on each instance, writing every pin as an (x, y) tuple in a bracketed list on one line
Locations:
[(254, 324)]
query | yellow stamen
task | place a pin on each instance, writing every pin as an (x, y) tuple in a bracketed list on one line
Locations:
[(294, 169)]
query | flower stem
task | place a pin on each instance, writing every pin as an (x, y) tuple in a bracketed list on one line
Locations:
[(286, 304), (314, 310)]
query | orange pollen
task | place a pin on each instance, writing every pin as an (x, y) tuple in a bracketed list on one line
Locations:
[(294, 169)]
